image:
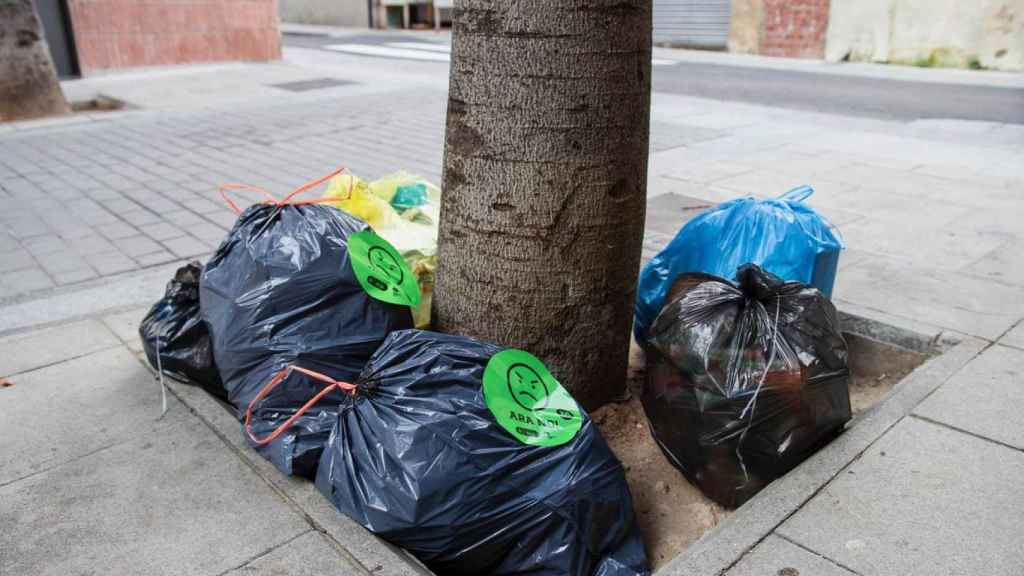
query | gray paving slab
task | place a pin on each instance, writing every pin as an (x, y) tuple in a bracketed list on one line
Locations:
[(724, 545), (311, 554), (985, 398), (923, 500), (23, 281), (68, 410), (28, 351), (779, 557), (381, 558), (955, 301), (1004, 264), (1015, 337), (167, 502), (126, 326)]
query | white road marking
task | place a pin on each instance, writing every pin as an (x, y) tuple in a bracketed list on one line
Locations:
[(422, 46), (367, 50)]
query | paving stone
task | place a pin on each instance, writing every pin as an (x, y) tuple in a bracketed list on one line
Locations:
[(1004, 264), (120, 205), (174, 500), (117, 230), (137, 246), (161, 231), (207, 231), (953, 301), (1014, 337), (110, 263), (923, 500), (93, 244), (155, 258), (949, 247), (777, 557), (28, 351), (225, 218), (140, 217), (17, 260), (308, 555), (126, 326), (985, 398), (74, 276), (23, 228), (98, 217), (22, 281), (186, 246), (46, 244), (203, 206), (60, 262), (182, 218)]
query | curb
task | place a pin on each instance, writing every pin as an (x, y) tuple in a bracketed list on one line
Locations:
[(712, 555)]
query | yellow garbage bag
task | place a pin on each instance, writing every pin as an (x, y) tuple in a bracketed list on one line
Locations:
[(353, 195), (404, 210)]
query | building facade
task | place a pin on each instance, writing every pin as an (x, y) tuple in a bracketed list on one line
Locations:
[(89, 36)]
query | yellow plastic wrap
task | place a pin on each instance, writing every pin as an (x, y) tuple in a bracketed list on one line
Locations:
[(404, 210), (353, 195)]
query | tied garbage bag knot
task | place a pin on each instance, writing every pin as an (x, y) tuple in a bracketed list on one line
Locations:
[(478, 462), (783, 235), (744, 382), (282, 290)]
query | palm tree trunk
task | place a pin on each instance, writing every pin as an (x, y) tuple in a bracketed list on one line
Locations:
[(28, 79), (545, 179)]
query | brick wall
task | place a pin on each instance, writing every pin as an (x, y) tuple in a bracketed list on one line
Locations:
[(130, 33), (794, 28)]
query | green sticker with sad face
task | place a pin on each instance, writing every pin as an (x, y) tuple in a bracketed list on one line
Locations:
[(381, 270), (528, 401)]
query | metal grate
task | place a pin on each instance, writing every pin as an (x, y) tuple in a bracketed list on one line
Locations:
[(314, 84)]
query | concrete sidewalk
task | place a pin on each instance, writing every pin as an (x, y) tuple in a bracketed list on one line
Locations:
[(100, 210)]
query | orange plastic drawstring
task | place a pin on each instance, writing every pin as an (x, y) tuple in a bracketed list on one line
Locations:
[(277, 379), (290, 198)]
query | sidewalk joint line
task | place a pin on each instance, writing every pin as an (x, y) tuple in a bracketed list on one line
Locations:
[(818, 554), (314, 525), (119, 344), (72, 460), (267, 552), (967, 432), (853, 460)]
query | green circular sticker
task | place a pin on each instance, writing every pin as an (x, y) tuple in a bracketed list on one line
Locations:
[(381, 270), (528, 401)]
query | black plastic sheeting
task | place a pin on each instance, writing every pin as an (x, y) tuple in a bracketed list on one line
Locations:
[(174, 327), (418, 458), (280, 290), (744, 383)]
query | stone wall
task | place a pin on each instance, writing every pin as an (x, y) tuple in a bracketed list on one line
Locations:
[(789, 28), (987, 33), (355, 13)]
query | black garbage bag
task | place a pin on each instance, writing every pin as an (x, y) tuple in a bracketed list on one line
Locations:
[(174, 329), (478, 462), (744, 383), (281, 290)]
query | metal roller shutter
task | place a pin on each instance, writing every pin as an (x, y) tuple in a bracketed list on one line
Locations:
[(696, 23)]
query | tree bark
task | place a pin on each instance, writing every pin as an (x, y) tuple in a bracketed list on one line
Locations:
[(28, 79), (545, 179)]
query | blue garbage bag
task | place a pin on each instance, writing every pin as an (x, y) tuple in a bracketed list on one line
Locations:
[(782, 235)]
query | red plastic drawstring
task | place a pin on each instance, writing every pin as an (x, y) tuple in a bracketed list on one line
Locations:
[(277, 379), (290, 198)]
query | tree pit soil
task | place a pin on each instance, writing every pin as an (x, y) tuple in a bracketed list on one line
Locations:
[(672, 513)]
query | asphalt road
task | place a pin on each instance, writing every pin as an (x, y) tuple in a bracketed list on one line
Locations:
[(829, 93)]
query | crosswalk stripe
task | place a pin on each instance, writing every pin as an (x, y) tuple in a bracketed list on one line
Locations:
[(388, 52), (430, 46)]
